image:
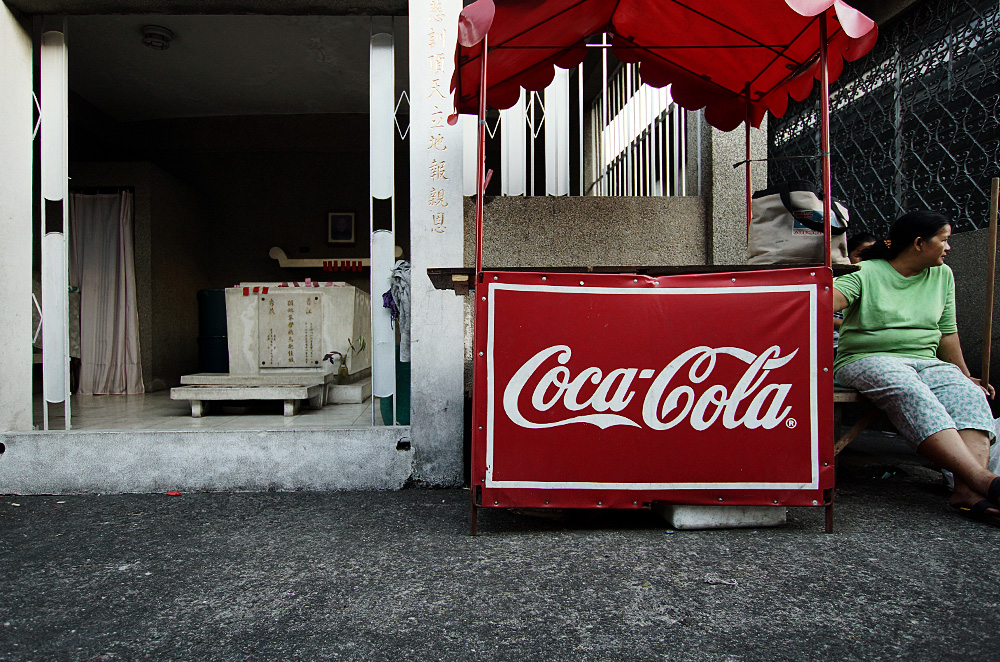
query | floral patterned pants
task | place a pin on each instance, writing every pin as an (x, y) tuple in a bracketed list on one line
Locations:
[(920, 396)]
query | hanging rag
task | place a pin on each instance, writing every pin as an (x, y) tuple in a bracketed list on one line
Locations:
[(399, 287)]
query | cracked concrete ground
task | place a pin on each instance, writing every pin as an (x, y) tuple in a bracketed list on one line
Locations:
[(394, 576)]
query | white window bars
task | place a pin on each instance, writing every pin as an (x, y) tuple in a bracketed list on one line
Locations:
[(629, 139), (637, 138)]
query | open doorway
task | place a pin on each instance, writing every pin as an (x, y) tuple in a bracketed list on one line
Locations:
[(236, 135)]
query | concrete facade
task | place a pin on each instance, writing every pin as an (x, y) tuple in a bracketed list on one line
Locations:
[(15, 221), (285, 7), (588, 231), (110, 462), (725, 190), (436, 238), (968, 259), (705, 228)]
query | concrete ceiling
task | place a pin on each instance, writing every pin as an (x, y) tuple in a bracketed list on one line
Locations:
[(227, 65), (287, 7)]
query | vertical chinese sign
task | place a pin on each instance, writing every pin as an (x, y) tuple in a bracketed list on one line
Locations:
[(436, 231)]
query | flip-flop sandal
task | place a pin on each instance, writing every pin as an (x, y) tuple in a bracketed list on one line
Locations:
[(977, 513), (993, 493)]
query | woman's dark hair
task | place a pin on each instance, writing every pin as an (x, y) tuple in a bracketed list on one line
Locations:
[(905, 229), (858, 239)]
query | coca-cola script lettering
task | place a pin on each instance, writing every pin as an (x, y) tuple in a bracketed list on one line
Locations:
[(752, 402)]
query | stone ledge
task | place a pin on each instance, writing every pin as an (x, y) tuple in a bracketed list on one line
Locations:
[(140, 461)]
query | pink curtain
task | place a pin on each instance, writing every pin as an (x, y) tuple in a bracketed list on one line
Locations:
[(101, 264)]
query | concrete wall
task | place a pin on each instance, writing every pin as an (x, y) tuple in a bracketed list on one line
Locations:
[(968, 259), (883, 11), (166, 216), (15, 222), (112, 462), (263, 181), (181, 257), (288, 7), (724, 188), (589, 231)]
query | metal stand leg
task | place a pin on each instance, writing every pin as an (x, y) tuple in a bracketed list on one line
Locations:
[(828, 501), (473, 512)]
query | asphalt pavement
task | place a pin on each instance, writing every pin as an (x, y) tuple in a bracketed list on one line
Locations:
[(395, 576)]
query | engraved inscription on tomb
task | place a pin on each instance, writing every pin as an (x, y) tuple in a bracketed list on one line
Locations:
[(290, 329)]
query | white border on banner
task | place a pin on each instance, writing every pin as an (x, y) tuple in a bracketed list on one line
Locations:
[(812, 290)]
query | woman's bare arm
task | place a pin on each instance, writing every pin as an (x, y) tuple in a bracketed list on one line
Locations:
[(950, 350), (839, 301)]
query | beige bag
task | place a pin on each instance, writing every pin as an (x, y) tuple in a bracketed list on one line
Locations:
[(787, 227)]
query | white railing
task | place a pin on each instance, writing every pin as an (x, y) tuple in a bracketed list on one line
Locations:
[(629, 140), (637, 138)]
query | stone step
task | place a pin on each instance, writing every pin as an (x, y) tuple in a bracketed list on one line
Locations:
[(257, 378), (291, 394), (353, 393)]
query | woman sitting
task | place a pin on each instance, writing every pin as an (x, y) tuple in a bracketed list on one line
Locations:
[(899, 347)]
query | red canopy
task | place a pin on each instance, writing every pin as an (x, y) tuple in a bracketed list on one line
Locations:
[(710, 51)]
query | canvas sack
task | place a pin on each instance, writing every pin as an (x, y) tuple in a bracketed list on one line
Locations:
[(787, 227)]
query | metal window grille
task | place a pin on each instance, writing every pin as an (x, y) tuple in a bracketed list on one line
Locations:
[(628, 141), (914, 125), (637, 138)]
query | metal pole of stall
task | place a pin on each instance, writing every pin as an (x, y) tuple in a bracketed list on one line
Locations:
[(481, 162), (824, 122), (480, 193), (991, 270), (749, 194)]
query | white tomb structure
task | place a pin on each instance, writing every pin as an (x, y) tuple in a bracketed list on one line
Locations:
[(279, 335)]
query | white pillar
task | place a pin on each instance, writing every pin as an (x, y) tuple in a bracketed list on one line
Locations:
[(15, 223), (381, 108), (513, 133), (437, 327), (382, 139), (383, 334), (557, 134), (55, 203)]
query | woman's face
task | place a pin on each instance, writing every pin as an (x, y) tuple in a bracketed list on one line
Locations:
[(936, 248), (855, 255)]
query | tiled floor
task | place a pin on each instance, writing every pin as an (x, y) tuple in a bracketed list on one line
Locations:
[(156, 411)]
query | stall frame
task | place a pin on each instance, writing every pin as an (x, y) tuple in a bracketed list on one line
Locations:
[(487, 492)]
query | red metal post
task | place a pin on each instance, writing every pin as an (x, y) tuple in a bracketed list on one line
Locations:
[(824, 124), (746, 93), (480, 193), (481, 162)]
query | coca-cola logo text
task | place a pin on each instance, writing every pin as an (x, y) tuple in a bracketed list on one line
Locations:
[(667, 401)]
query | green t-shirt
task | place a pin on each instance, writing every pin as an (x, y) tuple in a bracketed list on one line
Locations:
[(894, 315)]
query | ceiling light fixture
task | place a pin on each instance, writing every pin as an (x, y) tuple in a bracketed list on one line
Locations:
[(156, 37)]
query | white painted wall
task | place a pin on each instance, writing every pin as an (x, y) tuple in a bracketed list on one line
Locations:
[(15, 223), (436, 323)]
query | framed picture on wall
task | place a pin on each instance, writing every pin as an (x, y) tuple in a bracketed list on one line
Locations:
[(340, 229)]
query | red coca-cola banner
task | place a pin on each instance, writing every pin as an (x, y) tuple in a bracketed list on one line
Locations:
[(625, 389)]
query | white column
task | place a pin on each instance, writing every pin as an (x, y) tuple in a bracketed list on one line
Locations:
[(55, 203), (437, 342), (382, 138), (513, 132), (381, 108), (557, 134), (15, 223), (383, 335)]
